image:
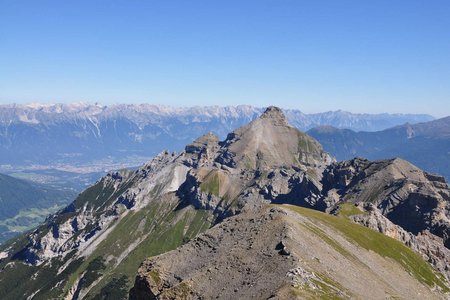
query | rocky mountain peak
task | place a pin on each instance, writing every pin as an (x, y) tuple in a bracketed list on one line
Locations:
[(205, 140), (275, 115), (270, 141), (202, 150)]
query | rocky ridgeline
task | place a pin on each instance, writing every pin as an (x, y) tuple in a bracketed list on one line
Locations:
[(404, 202), (274, 253), (423, 144), (267, 161), (407, 196), (430, 246)]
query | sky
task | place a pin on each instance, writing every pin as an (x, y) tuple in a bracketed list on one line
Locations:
[(359, 56)]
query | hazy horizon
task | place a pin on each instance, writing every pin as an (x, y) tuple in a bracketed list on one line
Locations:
[(36, 104), (362, 57)]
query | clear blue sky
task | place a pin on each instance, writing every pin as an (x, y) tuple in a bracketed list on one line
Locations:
[(360, 56)]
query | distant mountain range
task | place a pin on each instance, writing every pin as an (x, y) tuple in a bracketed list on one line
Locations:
[(80, 133), (25, 204), (426, 145)]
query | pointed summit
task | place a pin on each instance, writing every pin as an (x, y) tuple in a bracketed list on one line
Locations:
[(276, 115), (270, 141)]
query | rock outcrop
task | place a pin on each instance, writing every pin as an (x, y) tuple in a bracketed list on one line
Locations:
[(278, 253), (430, 246), (406, 195)]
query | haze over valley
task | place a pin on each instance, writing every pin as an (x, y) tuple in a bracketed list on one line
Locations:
[(46, 143)]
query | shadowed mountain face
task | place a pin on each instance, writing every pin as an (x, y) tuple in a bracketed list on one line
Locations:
[(93, 248), (409, 197), (426, 145)]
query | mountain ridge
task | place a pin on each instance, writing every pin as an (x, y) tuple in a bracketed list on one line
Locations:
[(281, 252), (39, 112), (424, 144), (94, 246), (81, 134)]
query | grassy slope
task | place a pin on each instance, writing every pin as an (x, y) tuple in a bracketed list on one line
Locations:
[(349, 209), (211, 184), (378, 243), (47, 276), (166, 228), (159, 227)]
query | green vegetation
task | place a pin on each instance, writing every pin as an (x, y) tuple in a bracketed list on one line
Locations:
[(250, 164), (304, 143), (211, 183), (159, 228), (306, 149), (332, 289), (183, 290), (11, 286), (93, 271), (118, 240), (40, 278), (321, 287), (112, 265), (199, 222), (378, 243), (117, 289), (102, 194), (29, 218), (349, 209), (327, 288), (17, 194), (154, 275), (24, 204), (327, 239)]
